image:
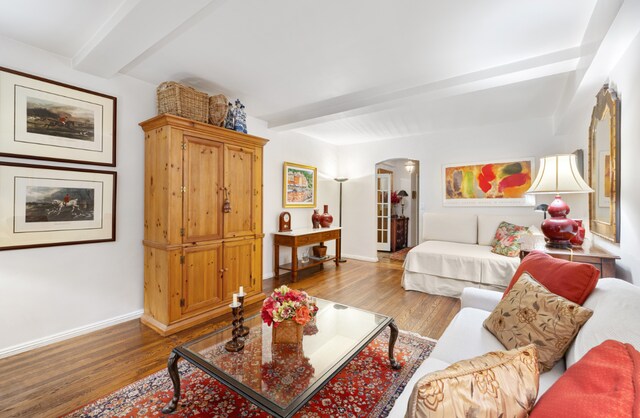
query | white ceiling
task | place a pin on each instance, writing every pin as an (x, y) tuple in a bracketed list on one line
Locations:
[(339, 71)]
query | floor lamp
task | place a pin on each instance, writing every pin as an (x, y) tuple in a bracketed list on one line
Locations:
[(341, 180)]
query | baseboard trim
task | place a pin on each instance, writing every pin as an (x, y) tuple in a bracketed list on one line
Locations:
[(65, 335), (361, 258)]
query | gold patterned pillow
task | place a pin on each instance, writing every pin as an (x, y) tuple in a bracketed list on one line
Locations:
[(500, 383), (532, 314)]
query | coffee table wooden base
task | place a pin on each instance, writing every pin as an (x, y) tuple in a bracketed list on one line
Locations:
[(392, 343), (172, 365)]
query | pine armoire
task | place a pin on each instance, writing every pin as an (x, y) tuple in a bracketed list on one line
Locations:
[(202, 221)]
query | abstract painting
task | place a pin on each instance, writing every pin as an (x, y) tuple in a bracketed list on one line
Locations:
[(496, 183)]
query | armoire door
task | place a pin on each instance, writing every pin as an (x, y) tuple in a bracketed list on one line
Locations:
[(202, 192), (238, 267), (241, 191), (201, 278)]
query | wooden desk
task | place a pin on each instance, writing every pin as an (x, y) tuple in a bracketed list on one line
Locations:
[(301, 237), (588, 253)]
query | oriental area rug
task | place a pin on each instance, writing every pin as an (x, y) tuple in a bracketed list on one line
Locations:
[(366, 387), (400, 255)]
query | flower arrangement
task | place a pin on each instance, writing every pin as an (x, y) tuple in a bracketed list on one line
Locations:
[(395, 199), (287, 304)]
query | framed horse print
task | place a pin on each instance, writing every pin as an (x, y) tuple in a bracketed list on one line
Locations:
[(47, 120), (43, 206)]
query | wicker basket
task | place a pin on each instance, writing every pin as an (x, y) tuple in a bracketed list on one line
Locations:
[(218, 108), (287, 332), (180, 100)]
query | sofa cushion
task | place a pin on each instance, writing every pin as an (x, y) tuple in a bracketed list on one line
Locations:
[(465, 327), (604, 383), (430, 365), (459, 227), (616, 314), (487, 224), (507, 239), (502, 383), (572, 281), (461, 261), (532, 314), (454, 344)]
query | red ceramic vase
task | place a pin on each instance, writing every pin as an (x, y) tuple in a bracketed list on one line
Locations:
[(315, 219), (326, 219), (559, 229), (578, 239)]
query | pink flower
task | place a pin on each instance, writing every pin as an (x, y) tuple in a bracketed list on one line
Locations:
[(267, 310)]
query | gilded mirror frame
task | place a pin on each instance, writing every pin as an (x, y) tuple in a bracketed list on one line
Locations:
[(607, 106)]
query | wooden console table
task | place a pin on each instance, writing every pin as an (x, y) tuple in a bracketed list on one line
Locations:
[(299, 238), (588, 253)]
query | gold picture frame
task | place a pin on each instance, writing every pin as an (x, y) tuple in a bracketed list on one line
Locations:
[(299, 185)]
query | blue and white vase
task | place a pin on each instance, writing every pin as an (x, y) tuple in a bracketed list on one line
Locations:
[(240, 123), (229, 120)]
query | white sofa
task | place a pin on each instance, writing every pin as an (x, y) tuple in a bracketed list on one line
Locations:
[(616, 309), (456, 253)]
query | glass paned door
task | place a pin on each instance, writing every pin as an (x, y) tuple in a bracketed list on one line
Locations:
[(383, 210)]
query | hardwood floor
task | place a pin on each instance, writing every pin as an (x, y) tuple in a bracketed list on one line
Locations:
[(61, 377)]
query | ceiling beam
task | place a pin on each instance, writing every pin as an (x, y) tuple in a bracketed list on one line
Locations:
[(134, 28), (596, 69), (383, 98)]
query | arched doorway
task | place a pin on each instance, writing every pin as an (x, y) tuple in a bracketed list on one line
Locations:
[(397, 204)]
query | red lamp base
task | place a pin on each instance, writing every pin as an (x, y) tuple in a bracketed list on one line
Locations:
[(559, 229)]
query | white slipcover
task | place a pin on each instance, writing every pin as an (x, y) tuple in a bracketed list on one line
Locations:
[(469, 262), (459, 227)]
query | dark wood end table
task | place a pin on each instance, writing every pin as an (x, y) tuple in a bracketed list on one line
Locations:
[(588, 253)]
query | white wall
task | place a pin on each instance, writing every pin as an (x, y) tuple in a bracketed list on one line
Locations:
[(299, 149), (50, 292), (624, 79), (56, 292), (532, 138)]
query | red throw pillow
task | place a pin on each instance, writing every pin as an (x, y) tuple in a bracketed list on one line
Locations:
[(603, 383), (571, 280)]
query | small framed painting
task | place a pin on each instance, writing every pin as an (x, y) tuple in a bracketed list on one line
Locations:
[(299, 186), (492, 183), (46, 120), (43, 206)]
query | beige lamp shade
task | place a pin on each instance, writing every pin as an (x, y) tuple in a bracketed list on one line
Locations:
[(558, 174)]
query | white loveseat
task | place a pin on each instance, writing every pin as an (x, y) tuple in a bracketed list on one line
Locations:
[(616, 310), (456, 253)]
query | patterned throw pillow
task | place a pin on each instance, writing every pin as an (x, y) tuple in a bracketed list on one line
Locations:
[(531, 314), (507, 239), (500, 383)]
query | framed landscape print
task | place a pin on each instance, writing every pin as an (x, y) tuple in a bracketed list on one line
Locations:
[(299, 186), (44, 206), (493, 183), (47, 120)]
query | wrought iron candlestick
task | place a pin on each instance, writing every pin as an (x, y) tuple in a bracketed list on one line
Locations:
[(244, 331), (236, 344)]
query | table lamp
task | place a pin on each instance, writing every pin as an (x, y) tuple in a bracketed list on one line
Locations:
[(559, 174), (402, 194)]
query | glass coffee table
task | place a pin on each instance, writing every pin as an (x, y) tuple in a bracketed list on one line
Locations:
[(281, 378)]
